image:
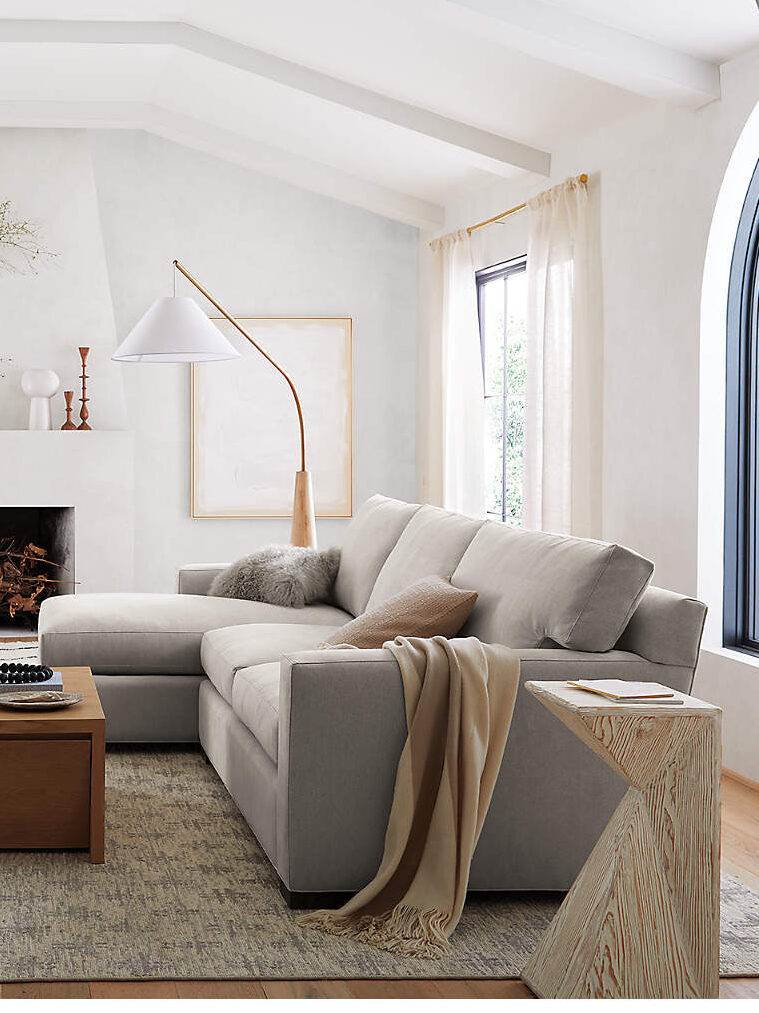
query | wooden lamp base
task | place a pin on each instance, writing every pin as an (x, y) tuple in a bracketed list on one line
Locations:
[(304, 523)]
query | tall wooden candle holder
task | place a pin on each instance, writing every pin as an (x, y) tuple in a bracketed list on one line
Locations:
[(68, 397), (83, 412)]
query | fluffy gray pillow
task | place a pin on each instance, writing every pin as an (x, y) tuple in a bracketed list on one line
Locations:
[(280, 575)]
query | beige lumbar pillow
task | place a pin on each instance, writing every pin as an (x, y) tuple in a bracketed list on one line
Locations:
[(432, 607)]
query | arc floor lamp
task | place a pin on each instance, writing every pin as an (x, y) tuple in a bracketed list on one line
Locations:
[(175, 329)]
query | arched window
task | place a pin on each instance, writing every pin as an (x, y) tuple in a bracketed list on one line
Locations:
[(741, 597)]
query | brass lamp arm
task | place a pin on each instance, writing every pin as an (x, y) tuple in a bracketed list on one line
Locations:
[(279, 369)]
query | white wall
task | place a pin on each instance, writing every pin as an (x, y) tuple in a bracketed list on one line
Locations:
[(119, 207), (656, 178), (45, 317)]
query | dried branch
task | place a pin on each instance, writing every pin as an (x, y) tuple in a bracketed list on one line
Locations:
[(21, 246), (21, 555)]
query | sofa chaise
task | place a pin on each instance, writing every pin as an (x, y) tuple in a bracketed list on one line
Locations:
[(307, 741)]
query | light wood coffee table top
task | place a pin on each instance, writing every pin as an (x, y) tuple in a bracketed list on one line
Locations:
[(80, 717)]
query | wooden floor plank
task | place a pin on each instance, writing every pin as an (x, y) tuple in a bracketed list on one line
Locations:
[(484, 988), (327, 989), (220, 990), (739, 988), (134, 990), (406, 989), (417, 988), (46, 990)]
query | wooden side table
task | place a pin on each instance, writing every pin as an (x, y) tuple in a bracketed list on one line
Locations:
[(642, 919), (52, 792)]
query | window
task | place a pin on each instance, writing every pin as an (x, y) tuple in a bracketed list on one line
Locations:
[(741, 601), (502, 303)]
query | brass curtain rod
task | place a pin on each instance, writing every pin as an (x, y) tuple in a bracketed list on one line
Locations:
[(505, 214)]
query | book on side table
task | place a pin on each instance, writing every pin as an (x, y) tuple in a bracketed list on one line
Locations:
[(628, 692), (54, 684)]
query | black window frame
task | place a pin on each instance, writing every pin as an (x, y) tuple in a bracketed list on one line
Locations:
[(741, 544), (516, 265)]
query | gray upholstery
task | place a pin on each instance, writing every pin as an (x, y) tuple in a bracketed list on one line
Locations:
[(225, 651), (432, 543), (308, 747), (196, 578), (341, 733), (665, 628), (342, 728), (553, 796), (255, 701), (536, 588), (158, 633), (150, 708), (368, 541), (248, 773)]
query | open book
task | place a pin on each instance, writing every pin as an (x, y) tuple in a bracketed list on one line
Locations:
[(628, 692)]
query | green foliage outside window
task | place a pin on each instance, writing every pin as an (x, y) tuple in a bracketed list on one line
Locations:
[(505, 369)]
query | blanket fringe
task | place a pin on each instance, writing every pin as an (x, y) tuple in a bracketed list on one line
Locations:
[(404, 930)]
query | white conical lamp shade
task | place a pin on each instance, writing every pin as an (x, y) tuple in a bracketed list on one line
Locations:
[(174, 329)]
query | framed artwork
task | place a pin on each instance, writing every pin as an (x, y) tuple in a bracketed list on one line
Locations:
[(245, 440)]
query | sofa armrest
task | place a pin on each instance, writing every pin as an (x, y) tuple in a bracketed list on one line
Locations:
[(195, 578), (342, 727)]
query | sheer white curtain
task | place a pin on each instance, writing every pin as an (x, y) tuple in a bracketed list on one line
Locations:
[(562, 424), (451, 422)]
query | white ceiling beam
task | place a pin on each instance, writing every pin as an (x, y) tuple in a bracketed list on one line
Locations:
[(560, 36), (500, 155), (253, 154), (301, 172)]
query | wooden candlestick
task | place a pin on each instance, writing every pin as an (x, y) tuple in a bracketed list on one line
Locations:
[(69, 397), (83, 412)]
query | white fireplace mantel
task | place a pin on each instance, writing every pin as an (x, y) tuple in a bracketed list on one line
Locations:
[(94, 473)]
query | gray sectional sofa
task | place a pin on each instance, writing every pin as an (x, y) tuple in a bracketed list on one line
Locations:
[(307, 741)]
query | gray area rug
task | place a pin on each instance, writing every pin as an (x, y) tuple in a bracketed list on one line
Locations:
[(186, 892)]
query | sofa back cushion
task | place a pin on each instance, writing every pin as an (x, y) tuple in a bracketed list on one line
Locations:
[(431, 544), (369, 539), (536, 587)]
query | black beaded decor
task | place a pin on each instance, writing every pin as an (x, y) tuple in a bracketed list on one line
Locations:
[(20, 674)]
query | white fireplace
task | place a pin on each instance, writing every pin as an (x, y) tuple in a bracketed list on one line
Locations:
[(91, 475)]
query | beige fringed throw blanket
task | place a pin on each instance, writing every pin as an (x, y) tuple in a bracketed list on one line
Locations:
[(459, 700)]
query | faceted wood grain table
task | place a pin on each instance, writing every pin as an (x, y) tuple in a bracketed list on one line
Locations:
[(642, 919)]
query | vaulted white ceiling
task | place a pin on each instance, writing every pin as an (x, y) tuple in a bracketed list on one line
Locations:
[(393, 105)]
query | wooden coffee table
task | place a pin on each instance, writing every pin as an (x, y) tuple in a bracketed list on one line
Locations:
[(52, 773), (642, 918)]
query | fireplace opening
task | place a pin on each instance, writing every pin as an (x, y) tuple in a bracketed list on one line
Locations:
[(36, 561)]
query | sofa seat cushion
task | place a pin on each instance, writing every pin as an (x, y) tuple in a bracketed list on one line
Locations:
[(537, 588), (255, 701), (431, 545), (225, 651), (119, 634)]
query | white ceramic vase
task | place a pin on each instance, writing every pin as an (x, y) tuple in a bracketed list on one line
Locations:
[(40, 385)]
